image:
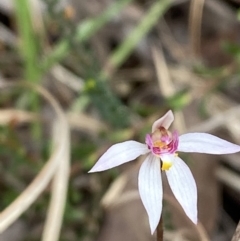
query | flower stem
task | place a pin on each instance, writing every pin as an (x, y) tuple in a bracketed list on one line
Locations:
[(160, 230)]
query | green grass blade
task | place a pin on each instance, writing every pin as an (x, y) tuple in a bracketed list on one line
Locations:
[(29, 50), (124, 50), (28, 44), (85, 31)]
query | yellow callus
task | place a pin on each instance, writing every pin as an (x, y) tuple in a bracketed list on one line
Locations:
[(166, 166), (159, 144)]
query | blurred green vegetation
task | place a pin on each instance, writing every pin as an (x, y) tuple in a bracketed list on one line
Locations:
[(71, 47)]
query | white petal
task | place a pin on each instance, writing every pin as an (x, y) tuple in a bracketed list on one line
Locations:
[(183, 187), (205, 143), (118, 154), (164, 121), (150, 189)]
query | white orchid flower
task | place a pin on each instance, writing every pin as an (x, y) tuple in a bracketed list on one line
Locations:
[(162, 147)]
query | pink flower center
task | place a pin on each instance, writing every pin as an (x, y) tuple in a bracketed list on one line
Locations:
[(162, 141)]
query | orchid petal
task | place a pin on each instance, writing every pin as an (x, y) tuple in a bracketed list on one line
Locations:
[(164, 121), (150, 189), (183, 187), (205, 143), (118, 154)]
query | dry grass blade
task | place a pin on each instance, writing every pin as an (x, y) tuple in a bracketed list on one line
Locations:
[(176, 49), (113, 194), (6, 36), (195, 22), (30, 194), (199, 228), (11, 115), (53, 223), (164, 80), (67, 78), (236, 236), (165, 84), (83, 122), (36, 8), (217, 120)]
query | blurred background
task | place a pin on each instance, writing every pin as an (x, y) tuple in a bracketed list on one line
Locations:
[(113, 67)]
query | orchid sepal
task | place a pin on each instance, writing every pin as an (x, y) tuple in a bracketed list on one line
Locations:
[(206, 143), (118, 154)]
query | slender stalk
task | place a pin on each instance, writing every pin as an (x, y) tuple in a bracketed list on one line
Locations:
[(160, 230)]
